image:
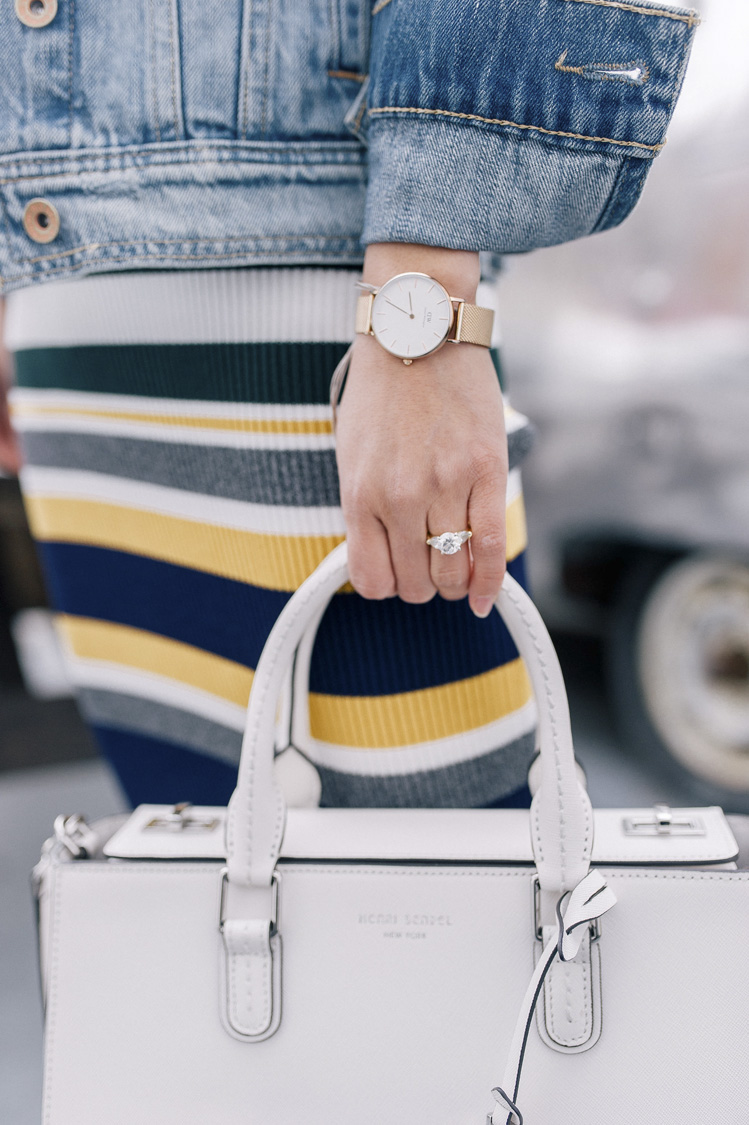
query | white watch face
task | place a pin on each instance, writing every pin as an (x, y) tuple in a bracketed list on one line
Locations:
[(411, 315)]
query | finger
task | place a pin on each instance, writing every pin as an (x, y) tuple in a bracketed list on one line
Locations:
[(486, 511), (370, 566), (407, 535), (450, 573)]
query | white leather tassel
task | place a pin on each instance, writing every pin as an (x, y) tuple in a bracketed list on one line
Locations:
[(590, 899)]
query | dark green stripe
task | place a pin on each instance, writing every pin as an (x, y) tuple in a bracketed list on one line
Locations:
[(271, 372), (275, 372)]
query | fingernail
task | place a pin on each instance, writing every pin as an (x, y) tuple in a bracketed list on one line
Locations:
[(482, 607)]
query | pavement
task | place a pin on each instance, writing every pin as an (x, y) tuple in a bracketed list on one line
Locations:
[(31, 798)]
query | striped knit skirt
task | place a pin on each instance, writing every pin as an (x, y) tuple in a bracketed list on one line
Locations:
[(180, 480)]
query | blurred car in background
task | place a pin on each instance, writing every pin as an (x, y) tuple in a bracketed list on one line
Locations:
[(630, 352)]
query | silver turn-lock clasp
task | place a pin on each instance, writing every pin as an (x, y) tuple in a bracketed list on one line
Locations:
[(662, 822), (181, 819)]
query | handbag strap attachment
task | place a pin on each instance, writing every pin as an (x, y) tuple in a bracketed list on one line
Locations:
[(590, 899)]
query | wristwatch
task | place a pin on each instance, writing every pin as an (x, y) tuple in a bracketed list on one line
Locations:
[(412, 315)]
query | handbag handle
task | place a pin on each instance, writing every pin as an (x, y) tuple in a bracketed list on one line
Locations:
[(561, 817)]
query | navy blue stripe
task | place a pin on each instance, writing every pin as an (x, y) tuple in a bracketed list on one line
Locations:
[(364, 647), (216, 614), (156, 772), (381, 648)]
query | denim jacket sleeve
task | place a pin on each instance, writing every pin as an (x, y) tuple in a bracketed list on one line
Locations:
[(507, 125)]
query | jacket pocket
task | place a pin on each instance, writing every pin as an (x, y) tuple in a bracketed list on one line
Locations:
[(352, 20), (36, 82), (301, 67)]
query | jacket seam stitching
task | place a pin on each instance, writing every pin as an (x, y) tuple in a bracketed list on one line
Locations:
[(176, 242), (6, 224), (378, 7), (517, 125), (172, 71), (246, 76), (336, 31), (266, 59), (71, 29), (72, 170), (160, 257), (691, 19), (154, 82)]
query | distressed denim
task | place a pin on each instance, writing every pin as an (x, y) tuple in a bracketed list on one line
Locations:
[(212, 133)]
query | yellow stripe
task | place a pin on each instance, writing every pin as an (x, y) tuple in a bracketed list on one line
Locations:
[(517, 531), (381, 721), (148, 652), (244, 425), (364, 722), (275, 562)]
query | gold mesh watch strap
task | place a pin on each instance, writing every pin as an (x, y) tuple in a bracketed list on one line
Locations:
[(474, 325), (363, 313)]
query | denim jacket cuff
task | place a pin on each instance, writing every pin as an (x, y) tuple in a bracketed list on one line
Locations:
[(548, 135)]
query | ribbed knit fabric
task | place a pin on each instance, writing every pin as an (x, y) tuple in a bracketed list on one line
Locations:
[(181, 482)]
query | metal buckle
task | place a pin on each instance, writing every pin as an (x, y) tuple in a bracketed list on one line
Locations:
[(594, 926), (273, 920), (663, 823), (181, 820), (75, 835)]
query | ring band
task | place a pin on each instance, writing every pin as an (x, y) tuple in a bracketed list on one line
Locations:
[(449, 542)]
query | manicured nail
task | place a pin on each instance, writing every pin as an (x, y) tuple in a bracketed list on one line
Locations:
[(482, 607)]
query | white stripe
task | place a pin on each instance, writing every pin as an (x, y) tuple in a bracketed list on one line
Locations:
[(514, 486), (186, 307), (263, 519), (176, 435), (514, 420), (422, 755), (109, 676), (125, 680), (170, 407)]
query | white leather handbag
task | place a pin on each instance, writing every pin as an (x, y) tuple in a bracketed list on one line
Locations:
[(265, 966)]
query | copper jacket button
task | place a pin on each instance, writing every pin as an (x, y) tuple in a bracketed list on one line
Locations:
[(36, 13), (41, 221)]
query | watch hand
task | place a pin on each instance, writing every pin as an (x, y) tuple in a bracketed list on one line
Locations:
[(410, 305), (396, 306)]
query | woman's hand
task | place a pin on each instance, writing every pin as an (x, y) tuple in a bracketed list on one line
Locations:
[(10, 453), (422, 449)]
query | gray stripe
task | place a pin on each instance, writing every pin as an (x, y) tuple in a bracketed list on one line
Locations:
[(290, 477), (157, 720), (304, 478), (477, 782), (472, 784), (519, 443)]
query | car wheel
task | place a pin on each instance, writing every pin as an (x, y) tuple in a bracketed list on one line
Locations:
[(679, 672)]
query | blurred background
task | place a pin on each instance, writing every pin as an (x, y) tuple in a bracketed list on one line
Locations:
[(630, 353)]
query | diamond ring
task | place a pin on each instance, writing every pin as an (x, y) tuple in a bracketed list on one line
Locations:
[(449, 542)]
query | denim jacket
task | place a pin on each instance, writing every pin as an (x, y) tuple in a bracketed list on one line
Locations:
[(197, 133)]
